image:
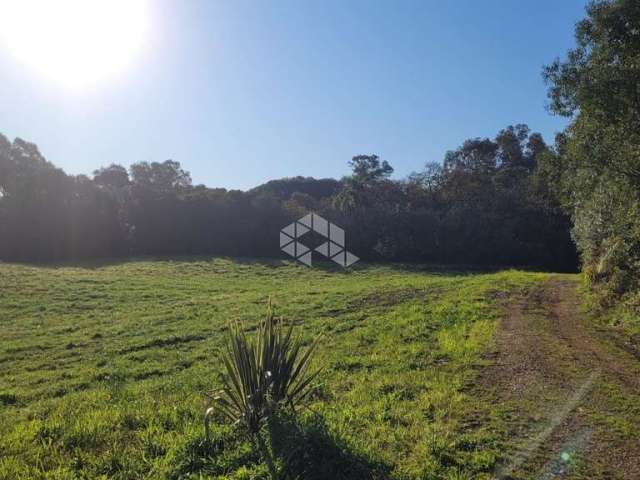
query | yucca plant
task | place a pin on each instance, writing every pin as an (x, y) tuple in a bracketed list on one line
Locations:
[(262, 373)]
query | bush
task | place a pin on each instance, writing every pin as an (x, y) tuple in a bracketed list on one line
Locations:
[(262, 373)]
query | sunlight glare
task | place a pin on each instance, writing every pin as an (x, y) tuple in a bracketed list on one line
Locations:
[(74, 42)]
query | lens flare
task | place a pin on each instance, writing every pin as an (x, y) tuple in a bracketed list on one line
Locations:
[(74, 42)]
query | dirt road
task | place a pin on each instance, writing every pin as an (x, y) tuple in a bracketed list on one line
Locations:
[(568, 393)]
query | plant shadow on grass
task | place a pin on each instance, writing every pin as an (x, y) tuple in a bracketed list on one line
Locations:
[(308, 450), (289, 447)]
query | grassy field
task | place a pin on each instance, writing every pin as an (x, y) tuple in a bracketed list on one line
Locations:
[(105, 370)]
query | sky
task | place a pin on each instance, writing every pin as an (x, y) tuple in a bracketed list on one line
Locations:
[(241, 92)]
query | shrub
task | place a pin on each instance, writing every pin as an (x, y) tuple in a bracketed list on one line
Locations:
[(262, 373)]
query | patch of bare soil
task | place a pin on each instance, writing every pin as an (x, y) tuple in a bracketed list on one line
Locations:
[(382, 299), (573, 391)]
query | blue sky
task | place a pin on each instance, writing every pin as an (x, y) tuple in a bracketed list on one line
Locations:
[(241, 92)]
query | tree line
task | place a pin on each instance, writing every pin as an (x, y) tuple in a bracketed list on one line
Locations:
[(487, 203)]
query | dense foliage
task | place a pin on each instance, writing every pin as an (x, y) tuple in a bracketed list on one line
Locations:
[(483, 205), (596, 169)]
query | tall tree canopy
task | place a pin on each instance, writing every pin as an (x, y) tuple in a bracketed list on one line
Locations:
[(595, 170), (485, 206)]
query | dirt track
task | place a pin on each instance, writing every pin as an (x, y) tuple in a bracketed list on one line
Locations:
[(574, 394)]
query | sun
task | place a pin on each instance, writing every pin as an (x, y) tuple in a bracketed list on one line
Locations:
[(74, 42)]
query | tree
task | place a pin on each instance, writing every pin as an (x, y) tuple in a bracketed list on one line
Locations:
[(368, 169), (598, 155), (511, 142), (114, 176), (476, 155), (165, 176)]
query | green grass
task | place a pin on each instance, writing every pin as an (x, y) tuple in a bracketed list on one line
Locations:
[(104, 370)]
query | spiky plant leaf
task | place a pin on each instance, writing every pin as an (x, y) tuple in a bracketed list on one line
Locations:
[(264, 372)]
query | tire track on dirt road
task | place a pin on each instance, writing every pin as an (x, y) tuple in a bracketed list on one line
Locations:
[(573, 394)]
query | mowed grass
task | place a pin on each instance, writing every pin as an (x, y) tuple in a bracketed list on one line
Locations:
[(105, 369)]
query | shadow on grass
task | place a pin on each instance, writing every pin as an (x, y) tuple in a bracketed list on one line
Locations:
[(274, 262), (308, 450), (289, 447), (101, 262)]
